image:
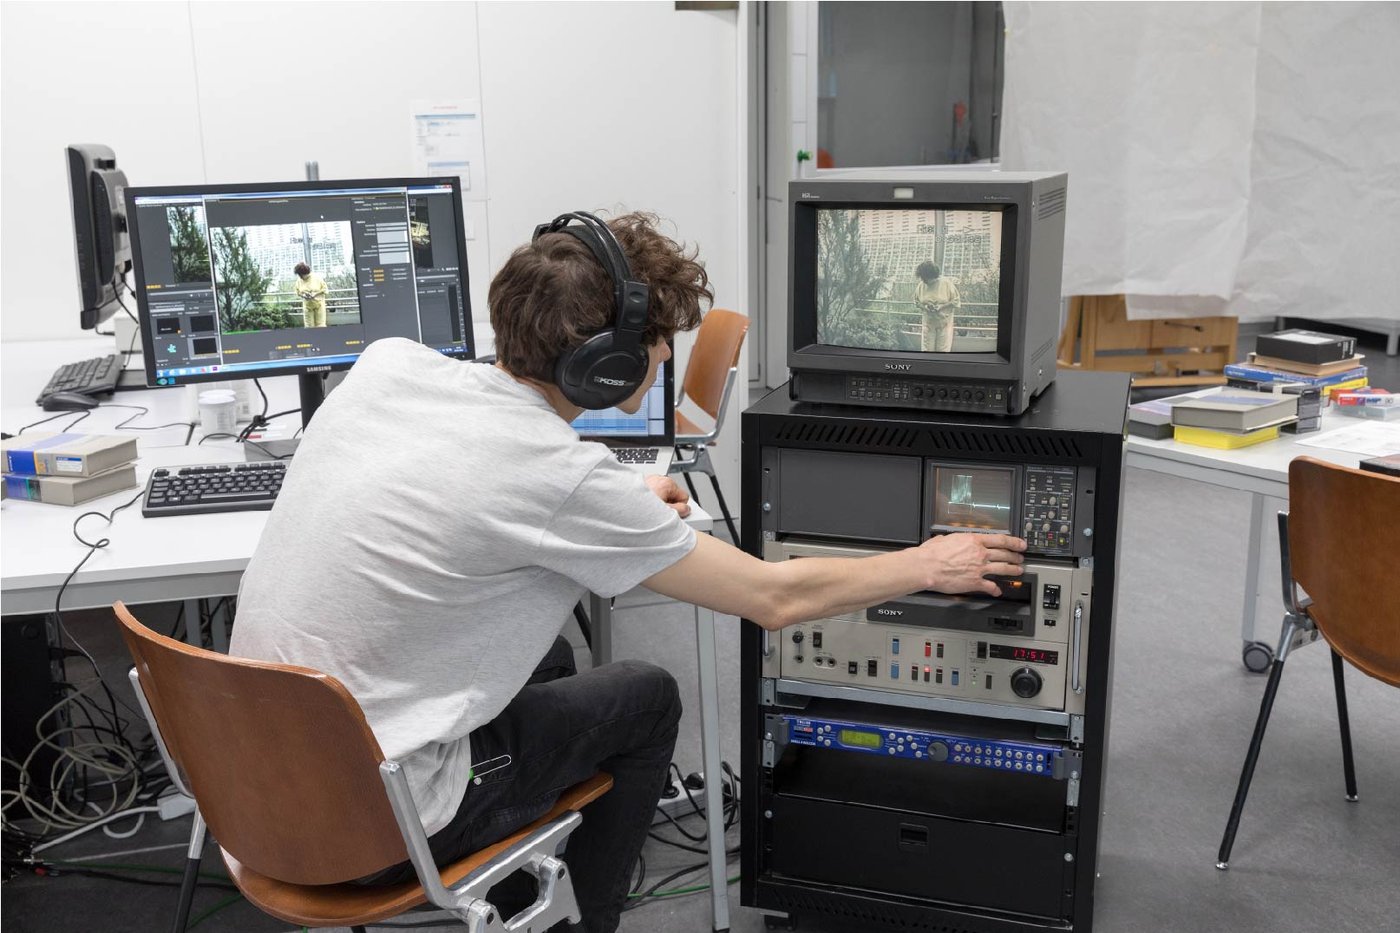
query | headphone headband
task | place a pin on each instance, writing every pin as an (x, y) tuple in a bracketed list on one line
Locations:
[(608, 367)]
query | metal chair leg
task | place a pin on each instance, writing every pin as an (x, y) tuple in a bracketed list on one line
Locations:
[(584, 626), (1348, 765), (1250, 760), (724, 509), (191, 879), (690, 484)]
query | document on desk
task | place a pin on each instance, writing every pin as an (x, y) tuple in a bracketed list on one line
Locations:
[(1368, 438)]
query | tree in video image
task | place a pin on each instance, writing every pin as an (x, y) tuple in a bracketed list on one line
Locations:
[(189, 243), (257, 271), (242, 285), (419, 233), (846, 285)]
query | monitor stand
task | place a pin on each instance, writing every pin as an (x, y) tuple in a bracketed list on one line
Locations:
[(312, 387)]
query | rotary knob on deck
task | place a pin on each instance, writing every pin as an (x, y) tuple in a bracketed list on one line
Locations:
[(1025, 683)]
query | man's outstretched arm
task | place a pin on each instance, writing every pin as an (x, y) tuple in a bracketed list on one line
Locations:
[(723, 578)]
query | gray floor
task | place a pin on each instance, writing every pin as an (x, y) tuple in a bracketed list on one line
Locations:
[(1182, 711)]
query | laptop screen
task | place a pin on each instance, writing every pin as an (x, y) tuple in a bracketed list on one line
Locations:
[(654, 424)]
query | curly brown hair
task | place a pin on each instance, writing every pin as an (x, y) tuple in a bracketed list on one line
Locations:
[(552, 294)]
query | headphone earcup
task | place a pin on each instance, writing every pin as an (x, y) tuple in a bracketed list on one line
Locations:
[(596, 374)]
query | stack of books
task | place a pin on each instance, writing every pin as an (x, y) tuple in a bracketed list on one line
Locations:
[(1232, 418), (66, 469), (1327, 362)]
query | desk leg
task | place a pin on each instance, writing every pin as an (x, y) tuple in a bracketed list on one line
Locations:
[(193, 635), (710, 761), (600, 617), (1254, 658)]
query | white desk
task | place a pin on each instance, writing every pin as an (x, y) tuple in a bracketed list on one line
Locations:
[(201, 556), (1262, 471)]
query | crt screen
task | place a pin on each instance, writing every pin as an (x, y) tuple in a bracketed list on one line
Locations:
[(908, 279), (972, 499)]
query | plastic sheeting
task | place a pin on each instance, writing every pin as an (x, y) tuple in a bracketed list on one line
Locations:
[(1236, 158)]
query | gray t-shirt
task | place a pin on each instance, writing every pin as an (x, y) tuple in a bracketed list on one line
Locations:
[(434, 530)]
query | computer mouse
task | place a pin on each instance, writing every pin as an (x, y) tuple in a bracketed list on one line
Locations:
[(69, 401)]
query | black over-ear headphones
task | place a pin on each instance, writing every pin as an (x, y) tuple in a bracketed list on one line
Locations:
[(608, 367)]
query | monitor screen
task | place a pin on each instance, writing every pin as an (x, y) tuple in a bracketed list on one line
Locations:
[(909, 279), (653, 425), (238, 281), (970, 498)]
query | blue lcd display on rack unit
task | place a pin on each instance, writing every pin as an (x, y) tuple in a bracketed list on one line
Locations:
[(1031, 758)]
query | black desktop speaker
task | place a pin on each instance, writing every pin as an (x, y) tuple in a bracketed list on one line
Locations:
[(608, 367)]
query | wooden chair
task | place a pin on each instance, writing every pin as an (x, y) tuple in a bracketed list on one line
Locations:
[(1338, 542), (291, 780), (709, 378)]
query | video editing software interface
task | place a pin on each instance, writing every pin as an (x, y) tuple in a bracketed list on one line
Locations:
[(614, 423), (909, 279), (223, 294)]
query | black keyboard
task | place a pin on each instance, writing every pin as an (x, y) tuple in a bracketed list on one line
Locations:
[(220, 487), (636, 454), (97, 376)]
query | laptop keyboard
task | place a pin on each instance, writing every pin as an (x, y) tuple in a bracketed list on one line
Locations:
[(636, 454)]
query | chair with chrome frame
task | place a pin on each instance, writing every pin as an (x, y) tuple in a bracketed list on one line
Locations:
[(282, 764), (1338, 543), (709, 379)]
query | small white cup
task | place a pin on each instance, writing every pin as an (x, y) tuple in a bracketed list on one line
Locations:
[(218, 412)]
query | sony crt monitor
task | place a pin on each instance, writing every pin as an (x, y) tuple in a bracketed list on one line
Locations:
[(941, 292), (100, 245), (296, 278)]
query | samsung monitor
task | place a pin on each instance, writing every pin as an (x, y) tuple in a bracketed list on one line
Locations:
[(652, 425), (296, 278), (941, 292), (101, 247)]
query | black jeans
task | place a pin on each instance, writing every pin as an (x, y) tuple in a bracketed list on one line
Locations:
[(561, 729)]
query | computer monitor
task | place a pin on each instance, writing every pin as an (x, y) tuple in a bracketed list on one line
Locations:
[(296, 278), (653, 425), (941, 292), (101, 247)]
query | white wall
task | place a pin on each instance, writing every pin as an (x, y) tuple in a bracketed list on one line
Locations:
[(584, 105)]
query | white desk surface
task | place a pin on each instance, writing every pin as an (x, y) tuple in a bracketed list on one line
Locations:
[(1261, 468), (168, 558)]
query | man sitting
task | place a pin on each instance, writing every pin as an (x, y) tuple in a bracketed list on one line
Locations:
[(441, 519)]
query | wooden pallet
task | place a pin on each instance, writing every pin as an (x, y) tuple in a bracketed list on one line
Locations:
[(1162, 352)]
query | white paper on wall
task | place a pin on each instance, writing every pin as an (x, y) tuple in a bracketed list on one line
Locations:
[(1324, 212), (1149, 107), (447, 141)]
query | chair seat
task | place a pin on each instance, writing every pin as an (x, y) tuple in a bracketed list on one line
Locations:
[(354, 904)]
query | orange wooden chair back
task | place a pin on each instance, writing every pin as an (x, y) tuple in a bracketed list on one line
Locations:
[(716, 352), (1344, 544), (280, 759)]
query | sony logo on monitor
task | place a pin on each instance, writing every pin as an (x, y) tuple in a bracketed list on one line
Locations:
[(889, 612), (899, 367)]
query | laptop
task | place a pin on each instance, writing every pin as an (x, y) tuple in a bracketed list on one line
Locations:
[(644, 441)]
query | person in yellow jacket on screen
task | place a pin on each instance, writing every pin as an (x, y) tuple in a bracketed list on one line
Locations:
[(938, 299), (311, 288)]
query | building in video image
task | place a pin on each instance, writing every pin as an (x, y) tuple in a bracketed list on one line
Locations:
[(280, 276), (909, 279)]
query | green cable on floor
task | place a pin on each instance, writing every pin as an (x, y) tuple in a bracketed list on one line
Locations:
[(232, 898), (120, 866), (679, 891)]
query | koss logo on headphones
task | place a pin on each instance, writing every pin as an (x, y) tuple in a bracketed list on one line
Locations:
[(610, 382)]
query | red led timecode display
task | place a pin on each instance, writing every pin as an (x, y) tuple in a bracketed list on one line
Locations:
[(1018, 653)]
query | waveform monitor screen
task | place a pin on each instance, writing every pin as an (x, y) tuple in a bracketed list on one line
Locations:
[(973, 498), (909, 279), (245, 280)]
